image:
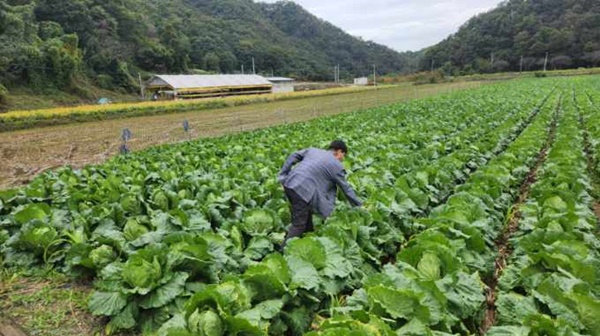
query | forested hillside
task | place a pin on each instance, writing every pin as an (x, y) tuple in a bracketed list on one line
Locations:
[(68, 45), (52, 43), (568, 30)]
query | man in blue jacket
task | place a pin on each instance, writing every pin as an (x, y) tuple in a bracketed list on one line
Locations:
[(312, 184)]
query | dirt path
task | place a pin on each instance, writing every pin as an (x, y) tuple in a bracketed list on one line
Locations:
[(9, 328), (512, 225), (24, 154)]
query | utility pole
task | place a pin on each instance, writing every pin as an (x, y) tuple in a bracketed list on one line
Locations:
[(242, 69), (521, 65), (432, 62), (253, 67), (374, 75), (141, 85), (335, 74), (546, 61), (492, 60)]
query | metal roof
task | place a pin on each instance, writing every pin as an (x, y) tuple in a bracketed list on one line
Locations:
[(280, 79), (206, 81)]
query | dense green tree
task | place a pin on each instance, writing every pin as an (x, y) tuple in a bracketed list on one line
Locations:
[(211, 62), (35, 54), (568, 30), (51, 42)]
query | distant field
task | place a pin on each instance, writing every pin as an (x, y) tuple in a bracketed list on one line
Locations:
[(24, 119), (526, 74), (31, 118), (440, 77), (26, 153)]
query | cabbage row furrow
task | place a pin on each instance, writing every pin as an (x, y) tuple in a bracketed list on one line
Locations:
[(552, 282), (441, 270), (511, 226), (590, 119), (589, 116), (413, 194)]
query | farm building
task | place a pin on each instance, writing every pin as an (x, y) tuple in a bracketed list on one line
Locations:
[(282, 84), (361, 81), (204, 86)]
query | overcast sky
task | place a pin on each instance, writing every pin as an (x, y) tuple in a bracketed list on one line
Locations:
[(400, 24)]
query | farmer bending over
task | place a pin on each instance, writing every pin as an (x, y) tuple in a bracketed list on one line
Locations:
[(311, 185)]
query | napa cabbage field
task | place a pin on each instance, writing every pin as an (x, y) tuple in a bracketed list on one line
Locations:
[(478, 219)]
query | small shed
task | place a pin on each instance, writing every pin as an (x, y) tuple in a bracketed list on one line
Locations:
[(282, 84), (361, 81), (103, 101), (204, 86)]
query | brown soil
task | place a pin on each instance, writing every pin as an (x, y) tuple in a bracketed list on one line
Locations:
[(596, 208), (512, 225), (9, 328)]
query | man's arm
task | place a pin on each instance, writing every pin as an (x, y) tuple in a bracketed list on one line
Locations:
[(340, 180), (290, 162)]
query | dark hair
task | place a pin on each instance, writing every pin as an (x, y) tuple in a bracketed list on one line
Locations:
[(338, 145)]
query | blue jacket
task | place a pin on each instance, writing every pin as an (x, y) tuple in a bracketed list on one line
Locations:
[(315, 178)]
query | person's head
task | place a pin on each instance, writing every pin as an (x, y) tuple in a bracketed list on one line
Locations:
[(339, 149)]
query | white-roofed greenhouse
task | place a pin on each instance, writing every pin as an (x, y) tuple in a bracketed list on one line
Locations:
[(204, 86)]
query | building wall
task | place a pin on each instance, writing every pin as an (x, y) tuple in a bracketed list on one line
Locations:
[(361, 81), (283, 87)]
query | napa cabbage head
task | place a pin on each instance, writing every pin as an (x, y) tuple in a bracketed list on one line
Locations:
[(102, 256), (258, 222), (141, 274), (134, 229)]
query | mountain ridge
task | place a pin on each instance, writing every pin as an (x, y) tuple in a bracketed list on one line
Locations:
[(60, 43), (495, 41)]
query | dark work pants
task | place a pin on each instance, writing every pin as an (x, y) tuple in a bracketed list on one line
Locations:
[(301, 216)]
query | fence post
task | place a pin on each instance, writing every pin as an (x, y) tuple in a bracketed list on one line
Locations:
[(186, 129), (126, 135)]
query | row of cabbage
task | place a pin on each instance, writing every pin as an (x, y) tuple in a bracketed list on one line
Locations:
[(587, 98), (323, 267), (208, 271), (210, 188), (552, 283), (198, 185), (437, 284), (159, 226)]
